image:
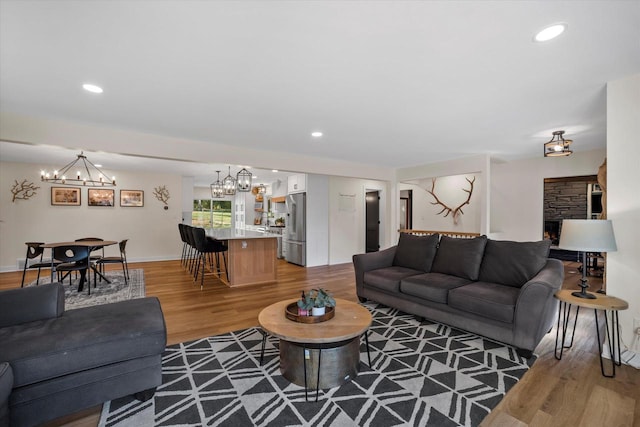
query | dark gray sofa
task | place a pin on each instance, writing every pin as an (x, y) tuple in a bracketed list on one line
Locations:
[(55, 362), (499, 289)]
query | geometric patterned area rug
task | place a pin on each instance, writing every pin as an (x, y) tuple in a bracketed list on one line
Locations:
[(423, 374), (103, 293)]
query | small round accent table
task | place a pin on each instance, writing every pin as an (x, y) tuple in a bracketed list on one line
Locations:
[(601, 302), (323, 354)]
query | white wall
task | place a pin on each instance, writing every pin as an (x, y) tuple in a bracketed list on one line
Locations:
[(317, 220), (347, 217), (517, 190), (151, 230), (623, 197), (478, 166), (449, 190)]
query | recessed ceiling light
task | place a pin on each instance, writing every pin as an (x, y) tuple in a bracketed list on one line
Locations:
[(98, 166), (550, 32), (92, 88), (316, 134), (274, 170)]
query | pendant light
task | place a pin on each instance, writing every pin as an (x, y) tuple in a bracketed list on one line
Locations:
[(243, 179), (217, 189), (229, 184)]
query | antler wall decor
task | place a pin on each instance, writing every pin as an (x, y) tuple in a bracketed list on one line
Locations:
[(162, 194), (23, 191), (457, 211)]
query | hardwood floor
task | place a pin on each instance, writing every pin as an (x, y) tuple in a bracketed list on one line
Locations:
[(570, 392)]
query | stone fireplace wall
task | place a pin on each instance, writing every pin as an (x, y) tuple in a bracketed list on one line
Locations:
[(565, 200)]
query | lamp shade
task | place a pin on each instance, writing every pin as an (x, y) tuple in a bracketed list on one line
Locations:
[(587, 235)]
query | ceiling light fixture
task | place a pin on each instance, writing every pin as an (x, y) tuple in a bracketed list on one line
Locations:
[(550, 32), (86, 173), (243, 179), (557, 146), (217, 189), (316, 134), (92, 88), (229, 184)]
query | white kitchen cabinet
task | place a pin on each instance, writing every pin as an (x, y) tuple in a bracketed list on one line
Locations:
[(296, 183)]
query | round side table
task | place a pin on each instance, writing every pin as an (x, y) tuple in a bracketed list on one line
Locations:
[(602, 303)]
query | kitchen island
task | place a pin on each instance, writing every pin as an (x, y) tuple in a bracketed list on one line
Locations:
[(252, 255)]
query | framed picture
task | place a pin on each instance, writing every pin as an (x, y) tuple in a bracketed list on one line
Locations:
[(100, 197), (132, 198), (65, 196)]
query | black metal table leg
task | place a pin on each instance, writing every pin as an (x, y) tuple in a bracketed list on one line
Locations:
[(264, 343), (318, 379), (366, 340), (564, 313), (616, 335), (304, 363)]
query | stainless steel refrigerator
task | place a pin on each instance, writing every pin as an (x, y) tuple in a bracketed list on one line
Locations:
[(296, 229)]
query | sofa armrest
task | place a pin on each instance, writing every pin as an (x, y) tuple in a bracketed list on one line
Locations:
[(372, 261), (6, 384), (32, 303), (536, 307)]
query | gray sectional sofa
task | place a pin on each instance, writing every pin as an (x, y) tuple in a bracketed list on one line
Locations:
[(499, 289), (55, 362)]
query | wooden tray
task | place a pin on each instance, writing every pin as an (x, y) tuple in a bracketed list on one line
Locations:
[(291, 313)]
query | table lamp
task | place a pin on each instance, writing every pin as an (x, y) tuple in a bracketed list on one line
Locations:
[(587, 235)]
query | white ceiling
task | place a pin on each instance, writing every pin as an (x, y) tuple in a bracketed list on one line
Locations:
[(391, 83)]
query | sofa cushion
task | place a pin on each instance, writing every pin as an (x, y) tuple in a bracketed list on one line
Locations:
[(459, 257), (82, 339), (416, 252), (388, 279), (431, 286), (513, 263), (490, 300)]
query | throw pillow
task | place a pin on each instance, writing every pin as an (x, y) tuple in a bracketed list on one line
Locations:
[(513, 263), (416, 252), (460, 257)]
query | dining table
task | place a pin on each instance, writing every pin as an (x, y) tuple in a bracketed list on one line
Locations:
[(92, 245)]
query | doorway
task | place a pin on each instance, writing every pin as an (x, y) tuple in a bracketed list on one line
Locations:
[(406, 209), (372, 214)]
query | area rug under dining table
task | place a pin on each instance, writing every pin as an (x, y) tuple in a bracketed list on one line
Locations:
[(103, 292), (422, 374)]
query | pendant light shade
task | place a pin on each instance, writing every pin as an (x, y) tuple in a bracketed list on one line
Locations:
[(79, 172), (557, 146), (244, 180), (217, 188), (229, 184)]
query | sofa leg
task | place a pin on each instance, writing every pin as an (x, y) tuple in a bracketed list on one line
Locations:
[(362, 299), (524, 353), (145, 395)]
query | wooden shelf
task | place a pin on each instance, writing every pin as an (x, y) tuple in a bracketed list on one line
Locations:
[(279, 199)]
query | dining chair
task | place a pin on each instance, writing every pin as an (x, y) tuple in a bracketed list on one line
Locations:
[(34, 250), (122, 259), (74, 258)]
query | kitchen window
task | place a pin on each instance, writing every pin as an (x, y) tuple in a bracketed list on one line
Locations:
[(209, 213)]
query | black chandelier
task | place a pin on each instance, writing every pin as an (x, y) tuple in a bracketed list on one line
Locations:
[(217, 189), (244, 180), (85, 173), (229, 184), (557, 146)]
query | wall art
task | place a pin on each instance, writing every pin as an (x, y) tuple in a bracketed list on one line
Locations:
[(65, 196)]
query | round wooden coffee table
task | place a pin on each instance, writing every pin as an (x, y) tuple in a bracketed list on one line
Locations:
[(314, 355)]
